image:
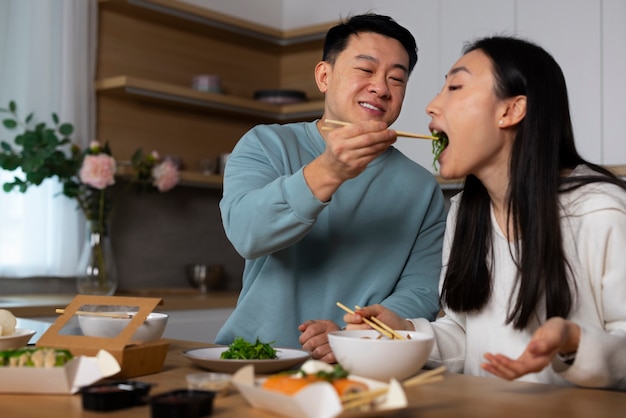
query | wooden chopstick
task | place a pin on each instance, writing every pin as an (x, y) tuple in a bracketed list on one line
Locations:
[(433, 375), (380, 323), (398, 133), (353, 400), (107, 314), (382, 331)]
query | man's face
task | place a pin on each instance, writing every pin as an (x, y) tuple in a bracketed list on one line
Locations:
[(368, 80)]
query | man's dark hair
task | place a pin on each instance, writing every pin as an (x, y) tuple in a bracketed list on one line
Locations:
[(338, 36)]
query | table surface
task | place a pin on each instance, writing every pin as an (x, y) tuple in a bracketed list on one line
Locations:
[(455, 396)]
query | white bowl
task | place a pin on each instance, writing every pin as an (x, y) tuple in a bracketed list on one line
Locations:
[(18, 339), (101, 326), (366, 353)]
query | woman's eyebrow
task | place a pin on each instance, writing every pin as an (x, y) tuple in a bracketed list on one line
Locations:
[(458, 69)]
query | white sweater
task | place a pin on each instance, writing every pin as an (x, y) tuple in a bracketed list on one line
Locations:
[(594, 233)]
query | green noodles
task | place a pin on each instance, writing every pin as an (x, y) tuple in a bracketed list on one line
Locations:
[(438, 146), (240, 349)]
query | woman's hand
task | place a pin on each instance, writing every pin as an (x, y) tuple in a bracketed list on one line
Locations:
[(557, 335), (355, 321)]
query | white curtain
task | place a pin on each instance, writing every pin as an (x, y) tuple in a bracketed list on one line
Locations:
[(47, 64)]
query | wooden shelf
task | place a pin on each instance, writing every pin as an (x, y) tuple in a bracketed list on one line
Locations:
[(139, 88), (198, 19), (187, 178), (618, 170), (194, 178)]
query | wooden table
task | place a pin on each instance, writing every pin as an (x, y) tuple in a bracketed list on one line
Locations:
[(455, 396)]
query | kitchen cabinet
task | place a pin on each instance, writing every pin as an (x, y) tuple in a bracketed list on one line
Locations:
[(150, 50), (199, 325)]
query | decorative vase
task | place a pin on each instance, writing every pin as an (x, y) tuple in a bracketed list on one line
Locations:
[(97, 273)]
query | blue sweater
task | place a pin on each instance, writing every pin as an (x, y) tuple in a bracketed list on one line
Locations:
[(378, 240)]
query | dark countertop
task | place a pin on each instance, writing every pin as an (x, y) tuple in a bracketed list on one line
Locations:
[(41, 305)]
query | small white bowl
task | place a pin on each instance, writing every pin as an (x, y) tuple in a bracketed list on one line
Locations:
[(366, 353), (101, 326), (18, 339)]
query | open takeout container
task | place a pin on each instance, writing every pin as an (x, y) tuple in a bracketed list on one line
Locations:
[(317, 400), (135, 358), (78, 372)]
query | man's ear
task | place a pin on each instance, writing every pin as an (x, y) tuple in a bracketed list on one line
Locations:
[(322, 70), (514, 112)]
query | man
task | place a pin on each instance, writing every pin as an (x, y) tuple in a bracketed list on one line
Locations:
[(334, 215)]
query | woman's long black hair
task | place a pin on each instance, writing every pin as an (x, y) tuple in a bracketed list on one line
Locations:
[(543, 149)]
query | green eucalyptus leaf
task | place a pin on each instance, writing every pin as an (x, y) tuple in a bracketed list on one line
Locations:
[(55, 118), (136, 158), (10, 162), (66, 129), (29, 118), (35, 178), (6, 146), (12, 106), (9, 123)]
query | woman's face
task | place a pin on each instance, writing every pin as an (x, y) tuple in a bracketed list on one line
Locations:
[(469, 112)]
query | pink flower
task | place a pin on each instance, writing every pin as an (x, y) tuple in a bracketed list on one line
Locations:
[(165, 175), (98, 171)]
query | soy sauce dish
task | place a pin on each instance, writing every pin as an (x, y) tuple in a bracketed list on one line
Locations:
[(182, 403), (115, 395)]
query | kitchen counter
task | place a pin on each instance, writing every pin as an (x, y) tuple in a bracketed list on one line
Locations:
[(455, 396), (42, 305)]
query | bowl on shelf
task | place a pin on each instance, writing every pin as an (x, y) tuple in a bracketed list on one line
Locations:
[(280, 96), (366, 353), (19, 338), (204, 276), (109, 327)]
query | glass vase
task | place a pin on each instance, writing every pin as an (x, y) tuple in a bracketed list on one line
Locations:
[(97, 273)]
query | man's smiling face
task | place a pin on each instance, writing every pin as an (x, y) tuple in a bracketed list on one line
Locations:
[(367, 81)]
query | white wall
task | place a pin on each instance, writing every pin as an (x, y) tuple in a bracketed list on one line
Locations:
[(585, 36), (613, 106)]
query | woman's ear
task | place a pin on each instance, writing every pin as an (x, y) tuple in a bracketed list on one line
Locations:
[(514, 112), (322, 70)]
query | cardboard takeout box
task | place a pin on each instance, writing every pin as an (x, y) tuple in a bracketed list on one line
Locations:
[(78, 372), (317, 400), (135, 359)]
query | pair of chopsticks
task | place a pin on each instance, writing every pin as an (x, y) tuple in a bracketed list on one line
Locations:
[(354, 400), (398, 133), (376, 323), (106, 314)]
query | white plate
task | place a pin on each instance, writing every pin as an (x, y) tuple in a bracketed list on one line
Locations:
[(209, 358), (18, 339)]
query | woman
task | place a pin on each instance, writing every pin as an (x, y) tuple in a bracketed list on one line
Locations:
[(534, 264)]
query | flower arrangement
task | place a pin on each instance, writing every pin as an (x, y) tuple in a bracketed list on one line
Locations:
[(43, 152)]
